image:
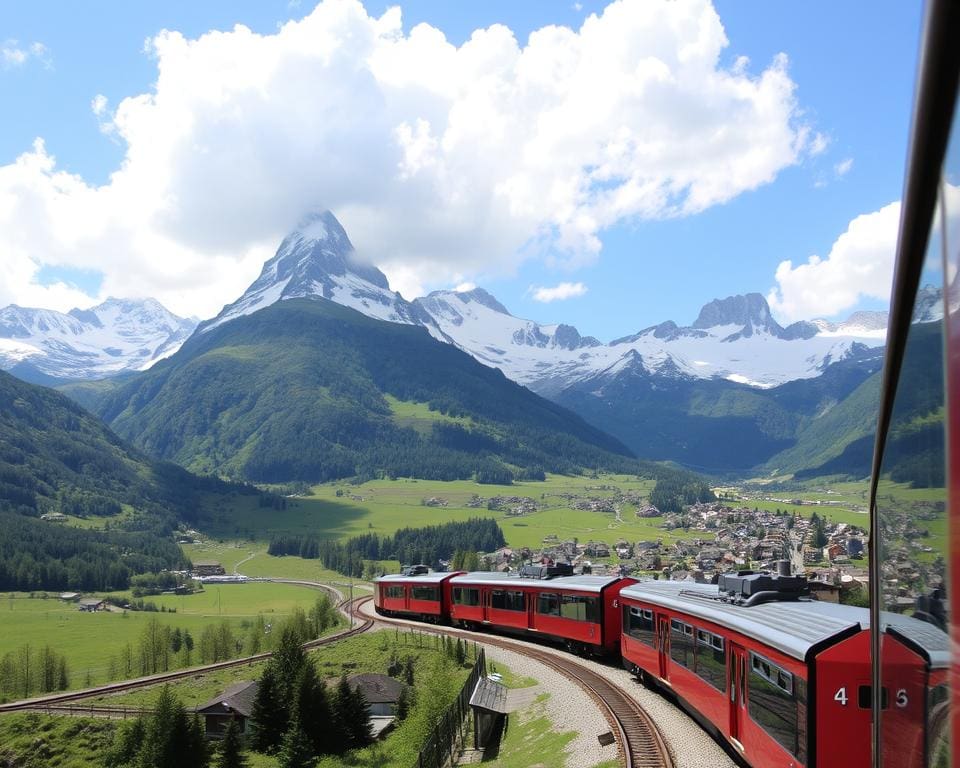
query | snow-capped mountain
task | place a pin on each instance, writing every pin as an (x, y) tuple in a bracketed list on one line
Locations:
[(734, 338), (318, 260), (115, 337)]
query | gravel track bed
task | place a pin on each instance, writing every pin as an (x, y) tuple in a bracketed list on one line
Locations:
[(690, 746)]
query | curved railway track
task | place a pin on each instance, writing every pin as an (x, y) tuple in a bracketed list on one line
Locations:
[(57, 701), (639, 742), (638, 739)]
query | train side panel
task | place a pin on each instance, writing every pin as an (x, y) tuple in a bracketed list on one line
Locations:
[(754, 696)]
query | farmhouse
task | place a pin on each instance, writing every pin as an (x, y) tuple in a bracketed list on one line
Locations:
[(92, 604), (208, 568), (235, 703)]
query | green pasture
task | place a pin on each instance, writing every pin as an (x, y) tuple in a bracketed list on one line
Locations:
[(90, 640), (384, 506)]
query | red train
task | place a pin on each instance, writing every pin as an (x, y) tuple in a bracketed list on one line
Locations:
[(783, 679), (786, 682), (582, 612)]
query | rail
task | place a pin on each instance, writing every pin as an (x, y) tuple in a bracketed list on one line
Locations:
[(43, 703)]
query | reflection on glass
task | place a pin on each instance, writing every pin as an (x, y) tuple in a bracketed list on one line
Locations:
[(912, 532)]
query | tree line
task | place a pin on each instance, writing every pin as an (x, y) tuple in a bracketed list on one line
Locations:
[(408, 545), (29, 670)]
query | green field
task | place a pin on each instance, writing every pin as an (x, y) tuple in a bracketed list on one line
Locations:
[(92, 642), (383, 506)]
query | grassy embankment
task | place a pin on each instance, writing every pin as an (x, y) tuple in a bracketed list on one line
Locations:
[(93, 642)]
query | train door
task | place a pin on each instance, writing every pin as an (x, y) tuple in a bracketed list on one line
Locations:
[(485, 604), (736, 693), (663, 644)]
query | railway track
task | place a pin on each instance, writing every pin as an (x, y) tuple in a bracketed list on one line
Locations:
[(639, 742), (47, 703)]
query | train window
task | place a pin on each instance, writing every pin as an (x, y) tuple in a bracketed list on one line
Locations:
[(548, 604), (865, 696), (580, 608), (462, 596), (395, 593), (426, 593), (711, 659), (507, 600), (638, 623), (681, 643), (776, 707)]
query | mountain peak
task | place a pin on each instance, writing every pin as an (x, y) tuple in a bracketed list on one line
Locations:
[(749, 309), (317, 260)]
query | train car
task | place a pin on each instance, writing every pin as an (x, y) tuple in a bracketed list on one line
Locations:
[(582, 612), (785, 681), (424, 596)]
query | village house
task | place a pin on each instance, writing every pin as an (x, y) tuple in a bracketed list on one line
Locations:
[(208, 568), (235, 703), (92, 604)]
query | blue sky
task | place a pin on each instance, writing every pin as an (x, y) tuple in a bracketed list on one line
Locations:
[(851, 66)]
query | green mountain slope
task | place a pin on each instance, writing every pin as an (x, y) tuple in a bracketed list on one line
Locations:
[(56, 457), (719, 426), (299, 391)]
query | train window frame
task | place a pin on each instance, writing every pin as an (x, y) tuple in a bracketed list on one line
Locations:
[(783, 685), (433, 591), (645, 634), (682, 646), (509, 598), (390, 592), (459, 592), (713, 672), (587, 608), (547, 596)]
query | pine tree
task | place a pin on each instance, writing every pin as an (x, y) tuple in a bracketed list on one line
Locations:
[(313, 710), (270, 712), (231, 749), (295, 750), (403, 704)]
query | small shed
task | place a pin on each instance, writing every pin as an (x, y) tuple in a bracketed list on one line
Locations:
[(235, 703), (91, 604), (489, 704)]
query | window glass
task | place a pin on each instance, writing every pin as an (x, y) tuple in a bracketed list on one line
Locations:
[(711, 659), (638, 623), (426, 593), (548, 604), (580, 608), (681, 643), (395, 592), (465, 596), (506, 600), (773, 702)]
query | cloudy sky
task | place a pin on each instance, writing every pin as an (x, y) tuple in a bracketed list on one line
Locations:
[(611, 166)]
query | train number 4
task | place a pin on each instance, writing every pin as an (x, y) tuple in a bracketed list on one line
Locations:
[(841, 696)]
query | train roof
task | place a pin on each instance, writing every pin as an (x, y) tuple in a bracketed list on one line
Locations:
[(792, 627), (433, 577), (583, 583)]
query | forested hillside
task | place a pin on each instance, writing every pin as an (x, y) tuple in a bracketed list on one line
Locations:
[(298, 391), (56, 457)]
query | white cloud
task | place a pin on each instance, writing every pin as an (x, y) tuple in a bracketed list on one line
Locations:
[(843, 167), (99, 105), (859, 265), (558, 292), (12, 54), (818, 144), (465, 287), (442, 162)]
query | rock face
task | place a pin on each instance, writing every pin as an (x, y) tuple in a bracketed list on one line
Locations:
[(118, 336), (318, 260)]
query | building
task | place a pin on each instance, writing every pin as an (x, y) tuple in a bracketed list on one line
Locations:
[(235, 703), (92, 604), (208, 568)]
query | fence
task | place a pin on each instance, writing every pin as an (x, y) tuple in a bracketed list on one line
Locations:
[(447, 739)]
